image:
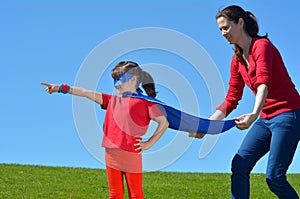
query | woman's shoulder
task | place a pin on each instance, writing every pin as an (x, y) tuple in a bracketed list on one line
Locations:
[(261, 44), (259, 41)]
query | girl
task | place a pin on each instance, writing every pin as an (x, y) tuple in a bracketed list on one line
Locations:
[(126, 120)]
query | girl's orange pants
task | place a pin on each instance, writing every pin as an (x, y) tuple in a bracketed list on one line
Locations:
[(116, 185)]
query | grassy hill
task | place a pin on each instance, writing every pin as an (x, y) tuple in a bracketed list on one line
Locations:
[(22, 181)]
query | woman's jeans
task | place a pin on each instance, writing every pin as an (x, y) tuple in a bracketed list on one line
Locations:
[(279, 136)]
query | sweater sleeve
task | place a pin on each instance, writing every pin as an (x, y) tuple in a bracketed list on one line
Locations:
[(263, 58), (235, 90)]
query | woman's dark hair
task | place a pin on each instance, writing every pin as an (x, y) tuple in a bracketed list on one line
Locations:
[(234, 13), (143, 77)]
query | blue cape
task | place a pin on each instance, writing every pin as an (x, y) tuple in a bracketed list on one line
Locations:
[(182, 121)]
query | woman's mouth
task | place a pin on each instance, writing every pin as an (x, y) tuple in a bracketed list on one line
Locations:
[(228, 37)]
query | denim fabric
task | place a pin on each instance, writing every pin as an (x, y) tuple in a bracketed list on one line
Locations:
[(279, 136)]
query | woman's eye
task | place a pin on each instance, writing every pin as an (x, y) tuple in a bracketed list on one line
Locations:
[(224, 28)]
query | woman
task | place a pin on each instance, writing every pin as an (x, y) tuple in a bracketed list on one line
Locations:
[(258, 64), (126, 120)]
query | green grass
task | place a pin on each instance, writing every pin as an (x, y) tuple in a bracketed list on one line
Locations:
[(21, 181)]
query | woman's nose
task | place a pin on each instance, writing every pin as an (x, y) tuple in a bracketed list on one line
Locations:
[(224, 32)]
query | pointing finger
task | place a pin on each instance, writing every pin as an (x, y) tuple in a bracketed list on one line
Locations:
[(45, 84)]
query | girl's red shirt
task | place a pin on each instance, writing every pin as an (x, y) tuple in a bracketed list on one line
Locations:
[(265, 67), (126, 120)]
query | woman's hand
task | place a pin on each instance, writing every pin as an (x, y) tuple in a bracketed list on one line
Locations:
[(218, 115), (197, 135), (243, 122), (51, 88)]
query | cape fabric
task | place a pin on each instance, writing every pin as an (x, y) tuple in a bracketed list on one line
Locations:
[(182, 121)]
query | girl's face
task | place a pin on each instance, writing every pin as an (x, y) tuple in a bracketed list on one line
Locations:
[(230, 30), (126, 83)]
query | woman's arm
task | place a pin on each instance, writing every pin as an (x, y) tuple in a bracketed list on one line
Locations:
[(245, 121), (218, 115), (163, 124), (78, 91)]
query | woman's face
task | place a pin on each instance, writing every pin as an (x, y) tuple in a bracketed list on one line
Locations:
[(230, 30)]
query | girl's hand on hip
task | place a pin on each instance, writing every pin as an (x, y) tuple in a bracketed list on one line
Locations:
[(141, 146)]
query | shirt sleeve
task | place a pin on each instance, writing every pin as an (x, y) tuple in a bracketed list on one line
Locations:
[(105, 100), (263, 58), (235, 90), (154, 110)]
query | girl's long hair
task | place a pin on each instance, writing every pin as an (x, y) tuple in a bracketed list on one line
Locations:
[(143, 77)]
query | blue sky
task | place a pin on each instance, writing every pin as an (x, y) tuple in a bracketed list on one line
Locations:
[(78, 42)]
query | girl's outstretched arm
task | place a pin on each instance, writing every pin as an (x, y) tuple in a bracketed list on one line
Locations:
[(78, 91), (163, 124)]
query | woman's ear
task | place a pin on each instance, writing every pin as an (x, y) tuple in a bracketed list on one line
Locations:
[(241, 22)]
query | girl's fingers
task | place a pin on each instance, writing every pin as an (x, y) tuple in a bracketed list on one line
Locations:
[(45, 84), (48, 86), (138, 144)]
